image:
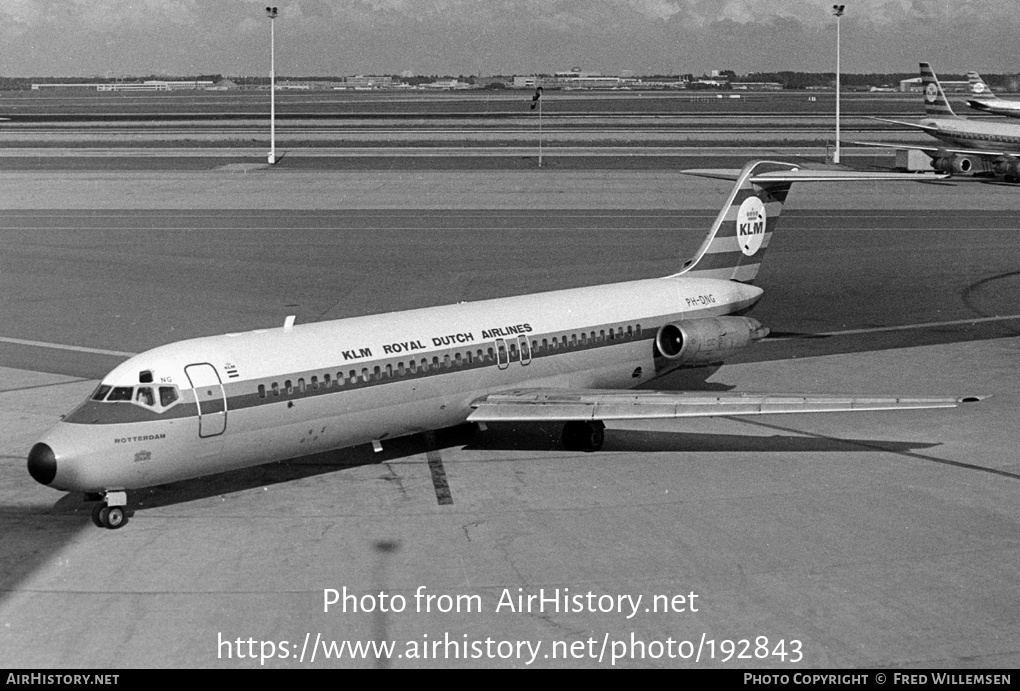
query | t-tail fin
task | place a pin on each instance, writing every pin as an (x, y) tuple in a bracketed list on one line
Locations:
[(736, 243), (978, 86), (936, 105)]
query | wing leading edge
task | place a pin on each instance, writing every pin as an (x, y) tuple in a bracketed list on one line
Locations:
[(536, 405)]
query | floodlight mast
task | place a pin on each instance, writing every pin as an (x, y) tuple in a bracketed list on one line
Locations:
[(838, 11), (271, 13)]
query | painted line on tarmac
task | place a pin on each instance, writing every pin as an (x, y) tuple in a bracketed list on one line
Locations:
[(436, 469), (44, 386), (904, 327), (61, 346)]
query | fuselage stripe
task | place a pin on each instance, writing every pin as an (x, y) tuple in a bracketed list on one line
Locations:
[(246, 394)]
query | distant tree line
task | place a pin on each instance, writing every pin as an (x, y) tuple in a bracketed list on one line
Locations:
[(789, 79)]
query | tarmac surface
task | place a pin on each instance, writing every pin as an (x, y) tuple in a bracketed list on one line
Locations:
[(863, 540)]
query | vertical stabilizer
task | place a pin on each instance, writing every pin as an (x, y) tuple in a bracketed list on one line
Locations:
[(936, 105), (736, 243), (978, 86)]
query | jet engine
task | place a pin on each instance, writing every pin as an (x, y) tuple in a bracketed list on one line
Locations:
[(707, 341), (1010, 167), (955, 165)]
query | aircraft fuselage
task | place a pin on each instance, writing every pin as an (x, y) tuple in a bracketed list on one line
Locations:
[(975, 135), (244, 399)]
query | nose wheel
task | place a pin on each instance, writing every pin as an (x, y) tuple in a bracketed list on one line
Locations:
[(110, 513)]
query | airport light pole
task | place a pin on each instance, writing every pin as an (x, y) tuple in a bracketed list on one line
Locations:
[(271, 13), (838, 11)]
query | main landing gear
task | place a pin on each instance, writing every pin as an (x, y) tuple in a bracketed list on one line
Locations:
[(110, 513), (587, 435)]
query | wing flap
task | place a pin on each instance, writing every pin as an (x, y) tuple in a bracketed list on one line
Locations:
[(535, 405)]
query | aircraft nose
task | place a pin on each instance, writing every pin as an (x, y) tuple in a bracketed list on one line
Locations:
[(42, 464)]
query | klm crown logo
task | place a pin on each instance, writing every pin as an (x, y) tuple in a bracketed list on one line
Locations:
[(751, 225)]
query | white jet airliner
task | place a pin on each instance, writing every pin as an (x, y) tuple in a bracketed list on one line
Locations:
[(969, 146), (984, 98), (212, 404)]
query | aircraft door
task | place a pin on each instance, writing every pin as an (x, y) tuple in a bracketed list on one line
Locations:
[(502, 355), (210, 398), (525, 350)]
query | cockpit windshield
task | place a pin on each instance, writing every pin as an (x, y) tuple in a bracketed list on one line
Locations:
[(144, 396), (120, 393)]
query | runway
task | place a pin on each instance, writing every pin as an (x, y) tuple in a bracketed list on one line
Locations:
[(872, 540)]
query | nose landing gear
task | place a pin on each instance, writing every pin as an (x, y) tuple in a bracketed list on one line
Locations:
[(110, 512)]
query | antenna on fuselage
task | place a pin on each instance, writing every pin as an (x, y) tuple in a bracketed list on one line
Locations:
[(288, 323)]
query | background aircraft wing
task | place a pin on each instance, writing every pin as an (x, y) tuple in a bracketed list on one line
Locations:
[(535, 405), (983, 153), (915, 125)]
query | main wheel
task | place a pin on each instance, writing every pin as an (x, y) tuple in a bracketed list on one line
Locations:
[(583, 436), (115, 517), (96, 518), (573, 433), (594, 437)]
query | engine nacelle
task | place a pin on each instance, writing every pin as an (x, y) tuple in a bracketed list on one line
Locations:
[(954, 165), (1008, 166), (707, 341)]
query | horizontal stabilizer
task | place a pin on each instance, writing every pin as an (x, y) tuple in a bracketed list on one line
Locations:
[(536, 405)]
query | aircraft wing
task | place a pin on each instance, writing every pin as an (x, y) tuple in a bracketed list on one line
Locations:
[(537, 405), (915, 125), (812, 175), (934, 150)]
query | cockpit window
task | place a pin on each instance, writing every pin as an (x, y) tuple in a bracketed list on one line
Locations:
[(144, 395), (167, 395), (139, 395), (121, 393)]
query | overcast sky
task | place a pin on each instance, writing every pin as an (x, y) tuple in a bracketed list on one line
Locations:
[(485, 37)]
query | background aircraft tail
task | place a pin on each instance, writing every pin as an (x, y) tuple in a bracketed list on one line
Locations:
[(936, 105), (736, 243), (978, 86)]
